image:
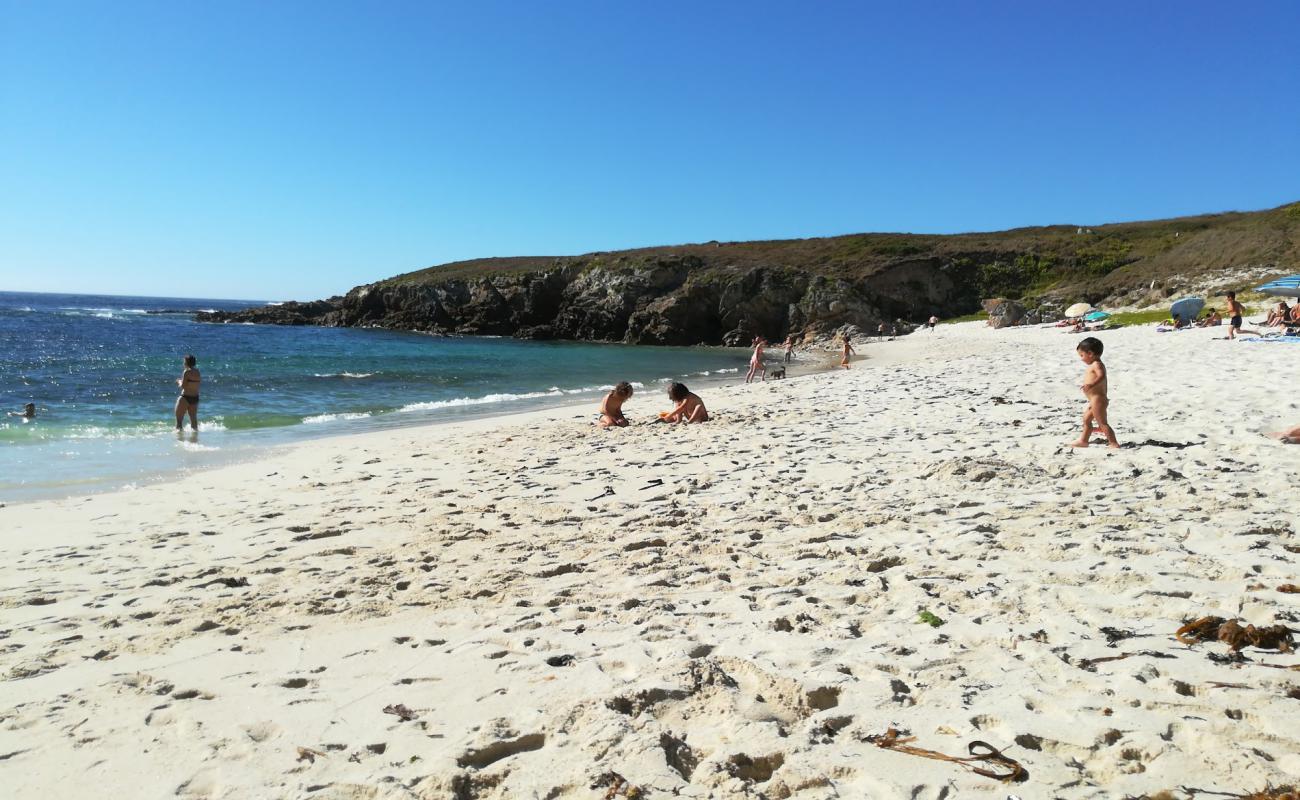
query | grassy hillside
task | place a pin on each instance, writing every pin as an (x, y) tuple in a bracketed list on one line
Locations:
[(1118, 262)]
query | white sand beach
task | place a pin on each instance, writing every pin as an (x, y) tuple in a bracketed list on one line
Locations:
[(727, 610)]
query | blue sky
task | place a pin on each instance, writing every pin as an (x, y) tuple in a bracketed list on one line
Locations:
[(294, 150)]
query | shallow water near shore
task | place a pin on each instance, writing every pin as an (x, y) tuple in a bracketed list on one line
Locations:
[(102, 371)]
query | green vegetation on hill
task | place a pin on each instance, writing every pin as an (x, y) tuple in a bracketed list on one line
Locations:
[(1129, 262)]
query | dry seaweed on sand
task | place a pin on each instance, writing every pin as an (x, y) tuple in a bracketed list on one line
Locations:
[(980, 752), (613, 784), (1205, 629), (401, 711), (309, 755), (1272, 637), (1233, 634), (1289, 792)]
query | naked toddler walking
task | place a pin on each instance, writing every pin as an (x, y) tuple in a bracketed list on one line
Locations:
[(1095, 389)]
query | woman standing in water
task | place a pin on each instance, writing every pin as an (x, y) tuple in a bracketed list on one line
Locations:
[(188, 402)]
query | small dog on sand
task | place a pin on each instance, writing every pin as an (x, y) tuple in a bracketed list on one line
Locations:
[(777, 373)]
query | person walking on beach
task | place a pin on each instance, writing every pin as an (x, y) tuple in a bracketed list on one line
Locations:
[(846, 353), (188, 402), (1094, 388), (1235, 310), (933, 323), (611, 408), (756, 360), (789, 348)]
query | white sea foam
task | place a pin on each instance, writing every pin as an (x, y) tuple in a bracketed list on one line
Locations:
[(506, 397), (343, 374), (477, 401), (319, 418)]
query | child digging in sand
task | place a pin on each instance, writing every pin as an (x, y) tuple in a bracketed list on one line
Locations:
[(689, 408), (1094, 388), (611, 408)]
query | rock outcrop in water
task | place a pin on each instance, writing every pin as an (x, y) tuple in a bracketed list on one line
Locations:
[(717, 293), (669, 301)]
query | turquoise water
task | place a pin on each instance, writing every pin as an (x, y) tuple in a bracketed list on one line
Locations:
[(102, 372)]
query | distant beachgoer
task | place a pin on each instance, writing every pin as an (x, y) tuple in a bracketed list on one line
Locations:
[(880, 331), (756, 360), (932, 323), (28, 412), (689, 408), (611, 408), (1235, 310), (846, 353), (1211, 320), (188, 402), (1094, 388), (789, 348)]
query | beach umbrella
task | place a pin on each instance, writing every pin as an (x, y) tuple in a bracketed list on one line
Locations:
[(1078, 309), (1282, 287), (1187, 308)]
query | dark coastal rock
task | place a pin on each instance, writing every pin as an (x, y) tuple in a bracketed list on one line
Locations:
[(291, 313), (1004, 313), (661, 301), (729, 292)]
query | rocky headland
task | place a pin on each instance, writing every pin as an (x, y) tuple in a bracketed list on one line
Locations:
[(726, 293)]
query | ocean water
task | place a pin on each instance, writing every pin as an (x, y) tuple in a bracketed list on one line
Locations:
[(102, 372)]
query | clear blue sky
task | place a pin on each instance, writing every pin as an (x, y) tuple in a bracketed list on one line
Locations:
[(292, 150)]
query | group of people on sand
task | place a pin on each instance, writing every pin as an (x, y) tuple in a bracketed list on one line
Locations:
[(1283, 316), (758, 363), (687, 407)]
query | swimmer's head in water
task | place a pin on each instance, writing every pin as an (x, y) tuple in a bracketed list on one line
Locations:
[(191, 361), (30, 409), (623, 389), (678, 392)]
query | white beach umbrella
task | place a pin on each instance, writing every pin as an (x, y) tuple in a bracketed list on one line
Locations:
[(1078, 310)]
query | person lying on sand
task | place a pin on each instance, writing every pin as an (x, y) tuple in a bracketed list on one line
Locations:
[(611, 408), (689, 408), (1211, 320)]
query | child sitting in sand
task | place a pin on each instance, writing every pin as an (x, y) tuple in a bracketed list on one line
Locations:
[(689, 408), (1095, 389), (611, 408)]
